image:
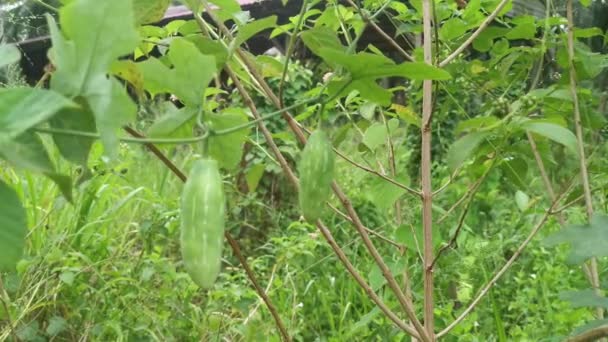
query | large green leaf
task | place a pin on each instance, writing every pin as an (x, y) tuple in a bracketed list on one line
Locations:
[(173, 123), (150, 11), (554, 132), (463, 148), (24, 108), (227, 149), (585, 240), (13, 228), (321, 38), (193, 71), (368, 65), (367, 88), (254, 27), (9, 54), (73, 148), (97, 33), (113, 108), (208, 46), (375, 136), (157, 76), (584, 298), (28, 152), (254, 175)]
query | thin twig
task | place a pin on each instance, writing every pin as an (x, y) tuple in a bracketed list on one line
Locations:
[(475, 34)]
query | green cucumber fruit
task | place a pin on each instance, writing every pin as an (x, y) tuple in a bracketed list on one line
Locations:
[(316, 171), (202, 222)]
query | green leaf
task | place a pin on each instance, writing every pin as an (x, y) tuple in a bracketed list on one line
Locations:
[(112, 108), (73, 148), (384, 194), (413, 237), (406, 114), (254, 175), (193, 71), (525, 29), (475, 123), (516, 170), (585, 240), (99, 32), (463, 148), (24, 108), (254, 27), (365, 65), (208, 46), (321, 38), (13, 228), (375, 278), (452, 29), (149, 11), (227, 149), (375, 135), (367, 110), (367, 89), (128, 71), (157, 77), (9, 54), (56, 326), (554, 132), (28, 152), (584, 298), (227, 8), (173, 123)]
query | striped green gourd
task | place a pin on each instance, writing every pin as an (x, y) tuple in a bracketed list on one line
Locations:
[(316, 171), (202, 222)]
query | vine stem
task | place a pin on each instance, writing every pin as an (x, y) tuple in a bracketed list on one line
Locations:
[(406, 304), (93, 135), (231, 241), (426, 165), (581, 147)]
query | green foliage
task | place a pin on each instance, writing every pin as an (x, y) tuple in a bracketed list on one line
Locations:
[(101, 258), (587, 240), (14, 227)]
